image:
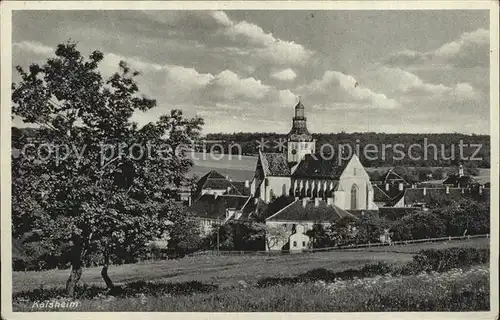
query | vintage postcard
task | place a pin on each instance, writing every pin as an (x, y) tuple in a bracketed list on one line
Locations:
[(228, 159)]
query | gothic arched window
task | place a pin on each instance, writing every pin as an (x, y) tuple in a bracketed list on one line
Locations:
[(354, 197)]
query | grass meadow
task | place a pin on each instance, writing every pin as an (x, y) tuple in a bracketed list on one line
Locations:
[(231, 283)]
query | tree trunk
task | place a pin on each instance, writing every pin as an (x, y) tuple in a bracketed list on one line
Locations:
[(74, 277), (76, 265), (104, 273)]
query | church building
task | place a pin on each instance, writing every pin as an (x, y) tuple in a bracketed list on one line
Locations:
[(300, 171)]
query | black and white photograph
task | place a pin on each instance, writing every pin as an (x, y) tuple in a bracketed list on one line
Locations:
[(242, 157)]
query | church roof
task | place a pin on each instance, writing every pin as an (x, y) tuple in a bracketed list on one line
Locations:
[(299, 105), (322, 213), (275, 164), (317, 166)]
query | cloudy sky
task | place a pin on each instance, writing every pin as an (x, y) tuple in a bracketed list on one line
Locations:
[(381, 71)]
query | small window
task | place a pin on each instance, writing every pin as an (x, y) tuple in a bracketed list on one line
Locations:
[(303, 243), (295, 243)]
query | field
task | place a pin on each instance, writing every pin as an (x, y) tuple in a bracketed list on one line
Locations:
[(455, 290), (226, 283)]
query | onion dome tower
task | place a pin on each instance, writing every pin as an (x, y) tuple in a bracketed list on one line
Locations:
[(300, 141)]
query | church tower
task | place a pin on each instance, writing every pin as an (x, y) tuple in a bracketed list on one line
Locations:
[(300, 141)]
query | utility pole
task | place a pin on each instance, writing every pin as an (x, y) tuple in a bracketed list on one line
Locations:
[(218, 230)]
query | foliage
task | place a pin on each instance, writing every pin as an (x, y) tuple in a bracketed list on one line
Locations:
[(343, 232), (370, 228), (446, 259), (101, 194), (418, 225), (237, 235), (466, 217), (274, 235), (321, 238)]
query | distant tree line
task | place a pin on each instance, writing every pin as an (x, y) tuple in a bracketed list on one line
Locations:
[(446, 153)]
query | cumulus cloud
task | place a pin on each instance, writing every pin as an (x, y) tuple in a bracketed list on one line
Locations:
[(33, 47), (229, 85), (225, 91), (222, 18), (410, 85), (336, 87), (186, 79), (261, 44), (471, 49), (284, 75)]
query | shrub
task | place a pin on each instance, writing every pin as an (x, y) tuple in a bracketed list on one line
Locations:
[(445, 259)]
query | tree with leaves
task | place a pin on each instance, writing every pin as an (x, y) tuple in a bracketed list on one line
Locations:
[(91, 179)]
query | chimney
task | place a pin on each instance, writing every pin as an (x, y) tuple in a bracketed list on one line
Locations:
[(386, 187), (425, 191), (247, 184), (461, 170), (447, 189), (228, 189), (304, 202), (316, 202), (227, 177), (400, 186)]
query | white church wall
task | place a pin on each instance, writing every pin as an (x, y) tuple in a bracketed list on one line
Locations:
[(355, 175), (339, 199)]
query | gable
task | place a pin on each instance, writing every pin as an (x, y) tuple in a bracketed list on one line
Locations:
[(354, 169)]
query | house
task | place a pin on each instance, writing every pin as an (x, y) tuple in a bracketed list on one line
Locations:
[(425, 197), (215, 183), (299, 241), (303, 213), (303, 173), (218, 200), (460, 180), (214, 209)]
